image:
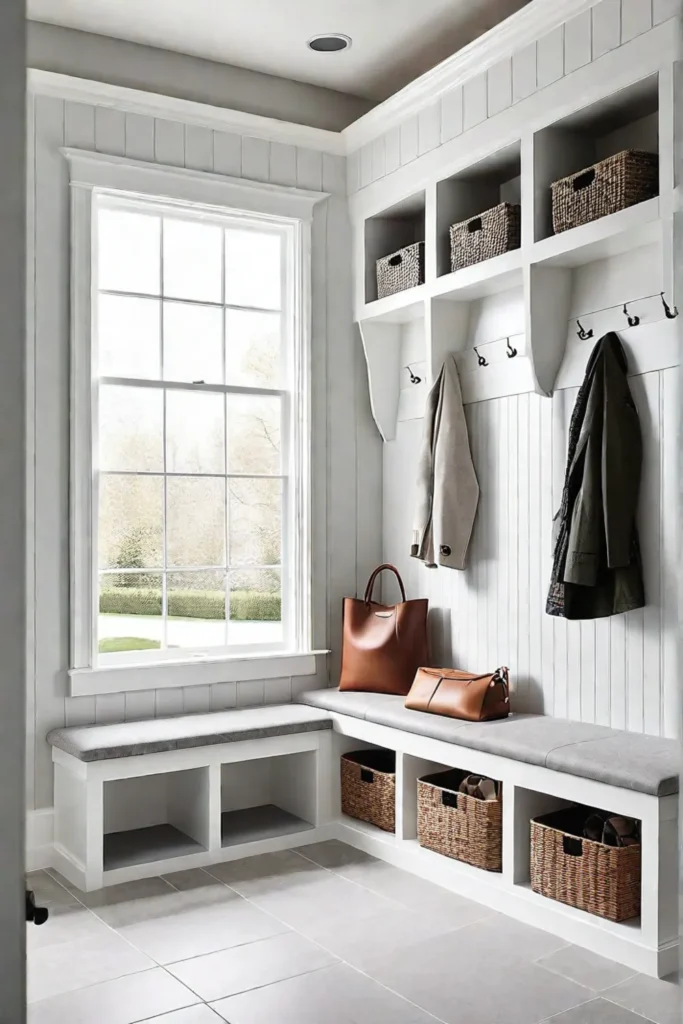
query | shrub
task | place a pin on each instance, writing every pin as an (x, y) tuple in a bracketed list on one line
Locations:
[(245, 605)]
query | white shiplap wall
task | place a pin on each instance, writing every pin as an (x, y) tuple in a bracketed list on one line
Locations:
[(581, 40), (620, 671), (346, 456)]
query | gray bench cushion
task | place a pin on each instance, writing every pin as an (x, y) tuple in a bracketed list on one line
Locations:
[(102, 742), (645, 764)]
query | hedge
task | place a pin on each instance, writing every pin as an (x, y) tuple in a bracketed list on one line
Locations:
[(245, 605)]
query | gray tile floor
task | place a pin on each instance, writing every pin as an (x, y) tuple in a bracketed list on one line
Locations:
[(326, 935)]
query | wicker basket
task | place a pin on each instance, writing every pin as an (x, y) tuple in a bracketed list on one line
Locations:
[(613, 184), (401, 270), (603, 880), (459, 826), (481, 238), (368, 787)]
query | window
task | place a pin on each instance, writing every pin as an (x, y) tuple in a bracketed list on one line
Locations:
[(190, 529)]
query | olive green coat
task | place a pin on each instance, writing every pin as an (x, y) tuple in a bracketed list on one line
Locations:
[(597, 568)]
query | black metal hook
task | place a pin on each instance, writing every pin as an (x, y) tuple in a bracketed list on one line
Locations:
[(482, 361), (668, 312), (413, 378), (583, 334), (509, 350), (633, 321)]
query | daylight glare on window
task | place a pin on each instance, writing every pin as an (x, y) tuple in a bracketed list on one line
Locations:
[(191, 474)]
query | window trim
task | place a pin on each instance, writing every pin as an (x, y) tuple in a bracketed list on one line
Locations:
[(94, 173)]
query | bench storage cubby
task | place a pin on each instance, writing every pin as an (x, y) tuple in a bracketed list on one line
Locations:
[(368, 787), (459, 825)]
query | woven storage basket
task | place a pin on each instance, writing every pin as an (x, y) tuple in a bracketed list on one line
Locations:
[(611, 185), (401, 270), (600, 879), (368, 787), (481, 238), (457, 825)]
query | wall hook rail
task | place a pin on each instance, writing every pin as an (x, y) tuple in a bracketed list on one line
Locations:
[(482, 361), (509, 350), (670, 313), (583, 333), (414, 379), (633, 321)]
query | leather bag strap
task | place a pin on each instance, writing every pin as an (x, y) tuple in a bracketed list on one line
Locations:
[(371, 582)]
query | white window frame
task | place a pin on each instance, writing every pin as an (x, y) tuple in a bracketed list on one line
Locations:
[(290, 210)]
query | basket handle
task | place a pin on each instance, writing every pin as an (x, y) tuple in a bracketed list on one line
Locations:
[(366, 775), (572, 846), (474, 225), (396, 260), (583, 180)]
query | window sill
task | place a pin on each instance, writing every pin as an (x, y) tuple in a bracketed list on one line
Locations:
[(87, 682)]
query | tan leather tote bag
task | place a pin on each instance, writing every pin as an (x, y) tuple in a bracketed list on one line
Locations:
[(383, 644), (448, 691)]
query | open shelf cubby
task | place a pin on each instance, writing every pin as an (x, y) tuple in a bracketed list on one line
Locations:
[(628, 119), (392, 229), (267, 797), (155, 817), (470, 192)]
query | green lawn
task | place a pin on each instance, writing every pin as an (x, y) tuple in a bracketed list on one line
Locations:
[(115, 644)]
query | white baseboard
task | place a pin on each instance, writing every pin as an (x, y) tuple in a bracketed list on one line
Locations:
[(39, 839)]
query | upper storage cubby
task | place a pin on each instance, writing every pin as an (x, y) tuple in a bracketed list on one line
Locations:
[(472, 191), (628, 119), (389, 231)]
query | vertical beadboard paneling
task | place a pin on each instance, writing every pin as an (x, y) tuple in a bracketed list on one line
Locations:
[(429, 128), (475, 100), (550, 57), (620, 671), (282, 163), (524, 73), (452, 114), (227, 154), (606, 27), (379, 158), (577, 42), (110, 707), (662, 10), (392, 147), (140, 132), (139, 705), (636, 18), (168, 702), (169, 142), (499, 86), (197, 699), (255, 159), (110, 131), (30, 450), (409, 134), (309, 169), (669, 533), (198, 147)]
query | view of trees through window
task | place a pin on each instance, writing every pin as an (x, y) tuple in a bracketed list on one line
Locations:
[(189, 448)]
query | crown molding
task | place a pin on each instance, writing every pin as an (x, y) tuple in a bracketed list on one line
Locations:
[(521, 29), (136, 101)]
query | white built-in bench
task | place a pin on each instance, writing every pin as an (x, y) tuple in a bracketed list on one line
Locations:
[(149, 797)]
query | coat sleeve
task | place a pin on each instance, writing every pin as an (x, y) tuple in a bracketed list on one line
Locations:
[(621, 465), (586, 539)]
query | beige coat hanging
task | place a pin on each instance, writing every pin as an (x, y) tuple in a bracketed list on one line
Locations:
[(447, 487)]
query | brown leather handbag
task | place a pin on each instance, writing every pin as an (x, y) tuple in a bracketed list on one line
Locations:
[(448, 691), (383, 644)]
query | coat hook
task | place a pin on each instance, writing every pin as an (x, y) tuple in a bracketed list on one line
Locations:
[(482, 361), (509, 350), (633, 321), (583, 334), (413, 378), (670, 315)]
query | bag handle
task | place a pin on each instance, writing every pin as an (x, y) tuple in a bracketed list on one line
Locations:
[(371, 582)]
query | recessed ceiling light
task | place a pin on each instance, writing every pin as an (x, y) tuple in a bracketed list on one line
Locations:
[(329, 42)]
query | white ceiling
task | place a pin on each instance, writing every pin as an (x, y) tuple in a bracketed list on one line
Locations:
[(394, 41)]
